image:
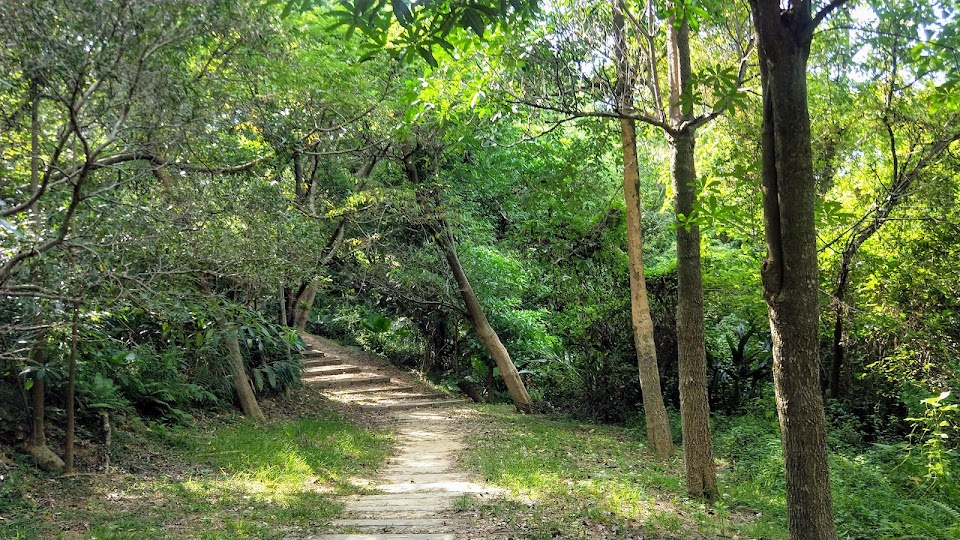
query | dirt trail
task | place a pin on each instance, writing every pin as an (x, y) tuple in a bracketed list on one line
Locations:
[(416, 493)]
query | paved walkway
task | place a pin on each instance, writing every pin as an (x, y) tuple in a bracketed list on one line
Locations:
[(418, 489)]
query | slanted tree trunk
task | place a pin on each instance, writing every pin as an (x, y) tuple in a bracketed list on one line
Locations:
[(790, 281), (36, 444), (299, 305), (655, 413), (443, 238), (701, 475), (488, 336), (241, 382), (302, 305)]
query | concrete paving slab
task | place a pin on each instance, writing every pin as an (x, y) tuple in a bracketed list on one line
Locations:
[(381, 537), (365, 523)]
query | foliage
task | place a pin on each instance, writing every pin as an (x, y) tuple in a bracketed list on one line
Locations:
[(931, 439)]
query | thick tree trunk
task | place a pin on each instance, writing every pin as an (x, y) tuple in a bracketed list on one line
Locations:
[(488, 336), (698, 462), (36, 445), (789, 274), (694, 401), (655, 413), (241, 383)]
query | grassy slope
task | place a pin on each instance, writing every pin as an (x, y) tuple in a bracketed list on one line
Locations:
[(576, 480), (219, 479)]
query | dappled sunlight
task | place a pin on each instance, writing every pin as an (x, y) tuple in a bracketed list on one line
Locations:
[(595, 476)]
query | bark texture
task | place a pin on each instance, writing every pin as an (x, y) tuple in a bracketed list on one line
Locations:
[(701, 474), (488, 336), (241, 383), (655, 413), (71, 399), (790, 279), (438, 227), (36, 445)]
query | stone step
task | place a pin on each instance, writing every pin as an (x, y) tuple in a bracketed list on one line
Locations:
[(424, 478), (340, 369), (406, 497), (395, 513), (388, 396), (433, 506), (381, 537), (385, 523), (314, 362), (396, 387), (314, 353), (402, 406), (345, 380)]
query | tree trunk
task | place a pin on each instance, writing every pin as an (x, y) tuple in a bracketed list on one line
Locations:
[(241, 383), (839, 313), (107, 431), (701, 474), (488, 336), (694, 400), (790, 270), (443, 238), (304, 305), (655, 413), (71, 398), (36, 445)]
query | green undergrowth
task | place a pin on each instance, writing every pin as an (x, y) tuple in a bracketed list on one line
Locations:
[(221, 479), (576, 480)]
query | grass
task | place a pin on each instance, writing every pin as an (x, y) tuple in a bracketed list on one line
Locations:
[(575, 480), (223, 479)]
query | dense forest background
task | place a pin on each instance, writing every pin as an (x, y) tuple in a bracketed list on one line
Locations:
[(185, 184)]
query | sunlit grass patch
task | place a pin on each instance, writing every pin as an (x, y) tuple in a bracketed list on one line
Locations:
[(576, 480), (594, 481), (221, 480)]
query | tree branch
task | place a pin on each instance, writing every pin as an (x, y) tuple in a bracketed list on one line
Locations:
[(822, 14)]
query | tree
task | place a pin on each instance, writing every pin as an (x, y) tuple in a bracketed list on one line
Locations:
[(658, 426), (790, 271), (416, 164), (638, 94), (914, 139)]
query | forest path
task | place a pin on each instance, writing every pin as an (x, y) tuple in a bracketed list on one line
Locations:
[(416, 493)]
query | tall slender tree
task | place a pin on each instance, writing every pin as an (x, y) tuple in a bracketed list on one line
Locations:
[(658, 427)]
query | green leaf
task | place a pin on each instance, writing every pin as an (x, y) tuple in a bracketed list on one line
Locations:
[(472, 19), (402, 12), (427, 55)]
